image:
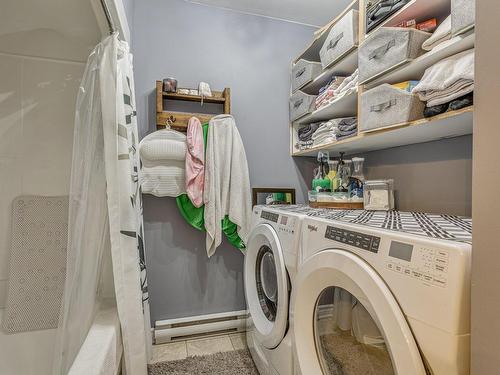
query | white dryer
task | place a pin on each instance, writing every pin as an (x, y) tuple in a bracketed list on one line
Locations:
[(270, 267), (383, 293)]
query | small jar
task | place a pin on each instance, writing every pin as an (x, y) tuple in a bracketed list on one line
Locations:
[(170, 85)]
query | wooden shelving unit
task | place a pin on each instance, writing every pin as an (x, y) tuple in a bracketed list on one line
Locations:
[(446, 125), (179, 120)]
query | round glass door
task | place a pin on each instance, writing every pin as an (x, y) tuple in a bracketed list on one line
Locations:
[(267, 282), (348, 341)]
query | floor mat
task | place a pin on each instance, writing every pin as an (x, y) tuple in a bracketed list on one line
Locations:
[(237, 362), (37, 263)]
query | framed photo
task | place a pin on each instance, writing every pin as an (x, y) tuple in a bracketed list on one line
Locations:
[(273, 196)]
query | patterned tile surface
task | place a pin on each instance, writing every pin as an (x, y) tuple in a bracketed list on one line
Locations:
[(447, 227)]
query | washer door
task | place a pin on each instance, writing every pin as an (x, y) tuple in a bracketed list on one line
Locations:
[(266, 285), (346, 321)]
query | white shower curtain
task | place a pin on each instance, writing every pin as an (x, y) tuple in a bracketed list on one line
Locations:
[(105, 206)]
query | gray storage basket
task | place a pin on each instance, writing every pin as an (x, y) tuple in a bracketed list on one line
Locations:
[(301, 104), (388, 48), (386, 105), (342, 38), (463, 16), (304, 72)]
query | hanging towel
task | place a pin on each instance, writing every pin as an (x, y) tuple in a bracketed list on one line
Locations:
[(195, 159), (195, 216), (163, 155), (227, 183)]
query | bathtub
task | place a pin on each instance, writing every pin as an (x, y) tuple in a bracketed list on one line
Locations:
[(31, 353)]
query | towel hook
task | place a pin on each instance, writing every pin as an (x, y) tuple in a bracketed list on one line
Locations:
[(170, 121)]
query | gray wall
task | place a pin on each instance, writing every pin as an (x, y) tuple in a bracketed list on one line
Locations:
[(251, 55), (433, 177)]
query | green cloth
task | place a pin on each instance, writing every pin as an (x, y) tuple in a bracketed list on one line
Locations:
[(195, 215)]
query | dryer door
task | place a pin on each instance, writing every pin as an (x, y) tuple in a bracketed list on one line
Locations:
[(346, 321), (266, 286)]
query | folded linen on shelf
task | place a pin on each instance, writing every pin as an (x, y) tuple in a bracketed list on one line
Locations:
[(448, 79), (327, 92), (305, 133), (442, 34), (347, 86)]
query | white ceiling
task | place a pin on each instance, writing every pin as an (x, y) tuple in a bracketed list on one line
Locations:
[(309, 12), (64, 29)]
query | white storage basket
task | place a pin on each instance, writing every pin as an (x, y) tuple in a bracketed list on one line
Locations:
[(341, 39), (301, 104), (388, 48), (386, 105), (304, 72), (463, 16)]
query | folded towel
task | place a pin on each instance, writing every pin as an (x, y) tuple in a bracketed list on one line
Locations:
[(348, 123), (457, 90), (305, 133), (453, 75), (442, 33)]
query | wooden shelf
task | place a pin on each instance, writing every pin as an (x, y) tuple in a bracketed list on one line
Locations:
[(179, 120), (217, 97), (446, 125), (415, 69), (343, 107), (420, 10), (344, 67)]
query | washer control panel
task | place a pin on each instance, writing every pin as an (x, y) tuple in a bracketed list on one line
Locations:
[(286, 224), (356, 239), (429, 265)]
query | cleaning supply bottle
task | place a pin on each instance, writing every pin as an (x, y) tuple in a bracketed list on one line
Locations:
[(321, 182), (332, 174)]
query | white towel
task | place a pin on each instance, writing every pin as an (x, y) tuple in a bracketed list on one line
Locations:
[(227, 183), (453, 76), (163, 155), (441, 34)]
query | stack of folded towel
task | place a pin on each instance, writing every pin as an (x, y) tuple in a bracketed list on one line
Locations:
[(335, 91), (348, 127), (326, 133), (335, 130), (440, 36), (448, 84), (305, 136)]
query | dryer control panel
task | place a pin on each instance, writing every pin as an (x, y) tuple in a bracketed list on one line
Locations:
[(285, 223), (418, 262)]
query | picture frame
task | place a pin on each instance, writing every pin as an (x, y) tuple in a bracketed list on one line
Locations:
[(273, 196)]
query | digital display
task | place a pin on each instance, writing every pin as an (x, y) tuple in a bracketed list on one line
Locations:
[(284, 220), (401, 250), (269, 216)]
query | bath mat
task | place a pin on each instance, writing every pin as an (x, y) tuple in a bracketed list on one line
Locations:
[(37, 271), (237, 362)]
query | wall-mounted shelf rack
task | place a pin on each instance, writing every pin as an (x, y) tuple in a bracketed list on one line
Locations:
[(447, 125), (179, 120)]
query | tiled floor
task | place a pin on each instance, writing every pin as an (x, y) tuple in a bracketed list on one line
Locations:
[(210, 345)]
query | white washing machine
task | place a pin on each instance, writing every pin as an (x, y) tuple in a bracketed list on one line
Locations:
[(270, 267), (383, 293)]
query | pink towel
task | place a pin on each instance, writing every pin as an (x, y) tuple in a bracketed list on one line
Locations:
[(195, 160)]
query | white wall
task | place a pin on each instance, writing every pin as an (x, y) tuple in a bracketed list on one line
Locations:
[(37, 106)]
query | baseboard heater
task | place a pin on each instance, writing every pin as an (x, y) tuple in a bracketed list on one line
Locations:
[(171, 330)]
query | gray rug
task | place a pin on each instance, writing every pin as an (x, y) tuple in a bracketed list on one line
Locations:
[(237, 362)]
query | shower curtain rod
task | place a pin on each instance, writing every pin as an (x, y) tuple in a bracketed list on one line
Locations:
[(107, 14)]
